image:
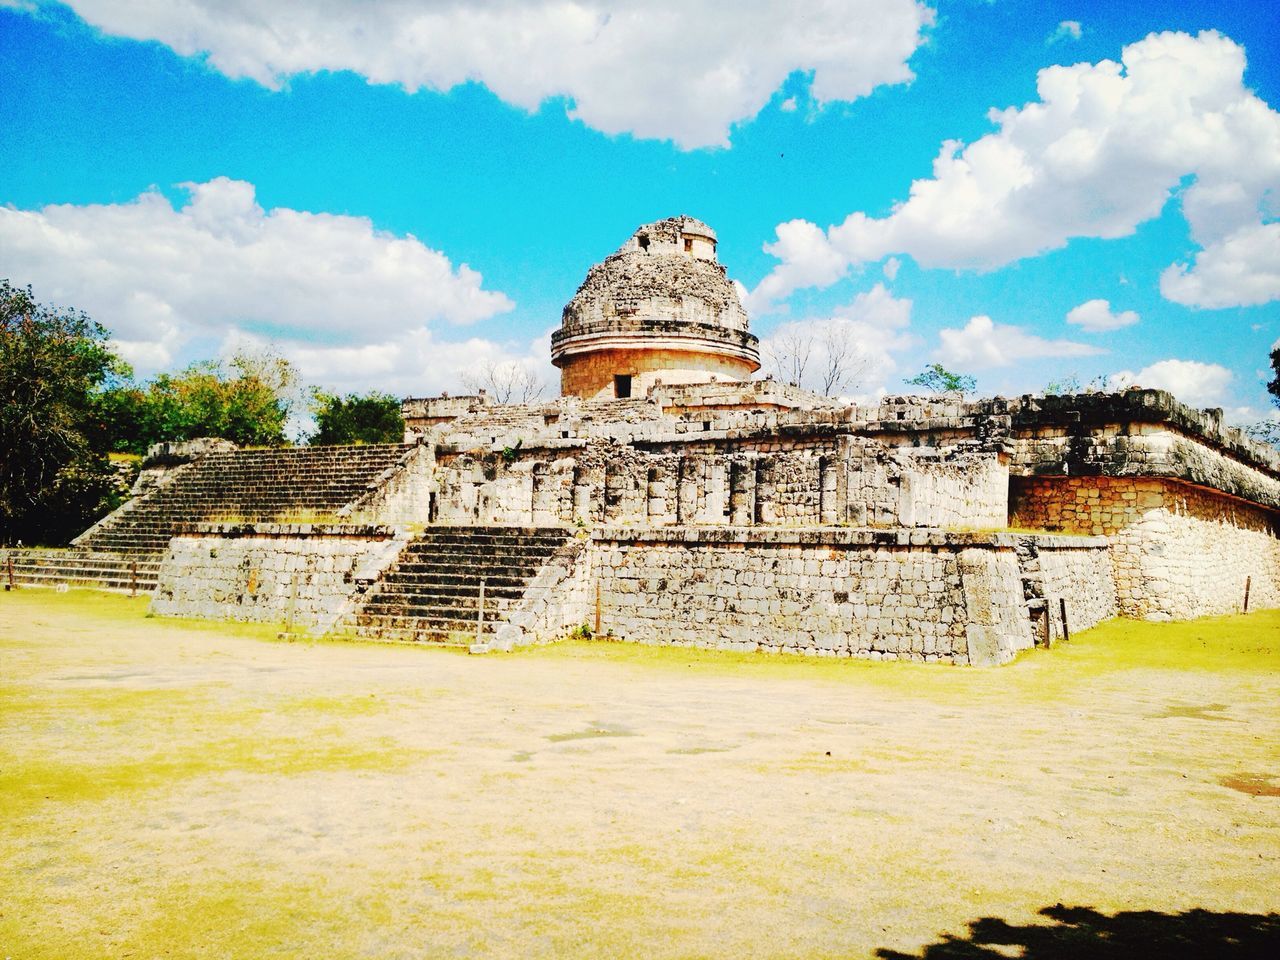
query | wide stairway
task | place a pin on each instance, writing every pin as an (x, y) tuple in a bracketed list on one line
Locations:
[(432, 593), (128, 573), (294, 484)]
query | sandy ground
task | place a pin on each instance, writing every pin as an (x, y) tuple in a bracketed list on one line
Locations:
[(181, 791)]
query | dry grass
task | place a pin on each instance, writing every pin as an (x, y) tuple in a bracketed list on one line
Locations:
[(186, 789)]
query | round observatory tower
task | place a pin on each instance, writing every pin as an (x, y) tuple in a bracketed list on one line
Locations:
[(660, 309)]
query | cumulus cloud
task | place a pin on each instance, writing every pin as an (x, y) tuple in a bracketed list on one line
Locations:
[(159, 275), (808, 260), (849, 353), (1192, 382), (1101, 151), (1096, 316), (670, 69), (982, 344), (1066, 30), (1240, 270)]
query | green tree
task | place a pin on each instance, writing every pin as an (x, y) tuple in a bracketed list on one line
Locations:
[(937, 379), (369, 418), (1273, 386), (247, 399), (54, 474)]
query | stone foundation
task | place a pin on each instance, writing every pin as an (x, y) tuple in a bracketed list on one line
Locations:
[(918, 595), (308, 575)]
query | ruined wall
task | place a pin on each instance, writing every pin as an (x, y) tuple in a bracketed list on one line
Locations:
[(1179, 551), (272, 572), (765, 482), (904, 595), (402, 494), (1075, 569)]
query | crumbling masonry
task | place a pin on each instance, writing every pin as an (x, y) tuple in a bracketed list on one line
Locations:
[(666, 498)]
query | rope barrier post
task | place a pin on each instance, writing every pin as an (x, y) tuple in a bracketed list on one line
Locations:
[(480, 614), (1248, 581), (1066, 631)]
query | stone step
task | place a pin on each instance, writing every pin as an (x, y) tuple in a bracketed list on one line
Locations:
[(253, 485), (472, 555), (461, 616), (103, 571), (431, 571), (373, 624), (394, 586)]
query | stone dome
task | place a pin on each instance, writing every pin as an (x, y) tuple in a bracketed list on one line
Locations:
[(659, 309)]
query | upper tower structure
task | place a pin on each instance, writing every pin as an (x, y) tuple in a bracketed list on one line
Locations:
[(660, 309)]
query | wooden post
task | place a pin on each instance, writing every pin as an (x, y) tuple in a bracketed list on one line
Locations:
[(1248, 581), (1048, 632), (13, 586), (480, 614), (597, 630), (293, 599), (133, 578), (1066, 631)]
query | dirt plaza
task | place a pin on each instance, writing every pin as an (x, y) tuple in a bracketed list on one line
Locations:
[(193, 789)]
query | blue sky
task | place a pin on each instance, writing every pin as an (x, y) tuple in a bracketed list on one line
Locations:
[(394, 194)]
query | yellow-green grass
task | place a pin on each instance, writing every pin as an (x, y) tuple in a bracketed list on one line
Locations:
[(196, 789)]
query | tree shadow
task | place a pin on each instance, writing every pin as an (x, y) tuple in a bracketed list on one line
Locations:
[(1082, 933)]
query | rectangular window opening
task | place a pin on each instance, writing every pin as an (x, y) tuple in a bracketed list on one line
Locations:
[(622, 385)]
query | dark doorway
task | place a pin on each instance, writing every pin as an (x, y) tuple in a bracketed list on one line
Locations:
[(622, 385)]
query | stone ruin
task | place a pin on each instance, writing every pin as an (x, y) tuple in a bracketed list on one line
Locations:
[(665, 497)]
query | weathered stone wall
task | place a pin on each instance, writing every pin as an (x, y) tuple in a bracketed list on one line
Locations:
[(309, 574), (920, 595), (1179, 551)]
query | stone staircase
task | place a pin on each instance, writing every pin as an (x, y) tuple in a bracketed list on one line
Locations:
[(294, 483), (432, 592), (127, 573)]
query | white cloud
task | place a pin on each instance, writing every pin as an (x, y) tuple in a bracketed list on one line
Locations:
[(1194, 383), (1066, 30), (788, 105), (670, 69), (417, 363), (863, 337), (1099, 153), (808, 260), (1096, 316), (159, 276), (982, 344), (1242, 269), (891, 267)]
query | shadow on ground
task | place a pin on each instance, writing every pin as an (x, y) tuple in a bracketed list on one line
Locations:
[(1082, 933)]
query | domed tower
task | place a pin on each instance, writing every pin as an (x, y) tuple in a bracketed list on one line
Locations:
[(659, 309)]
